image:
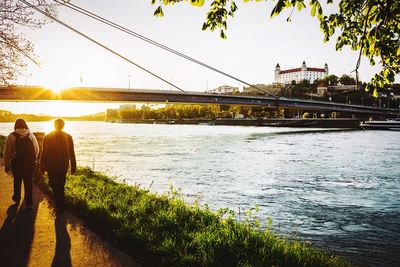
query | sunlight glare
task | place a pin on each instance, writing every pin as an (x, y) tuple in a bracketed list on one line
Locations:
[(58, 108), (66, 108), (48, 126), (57, 89)]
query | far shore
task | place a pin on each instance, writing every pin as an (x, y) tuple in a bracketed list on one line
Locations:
[(266, 122)]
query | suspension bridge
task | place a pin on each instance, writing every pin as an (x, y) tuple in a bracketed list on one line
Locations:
[(93, 94)]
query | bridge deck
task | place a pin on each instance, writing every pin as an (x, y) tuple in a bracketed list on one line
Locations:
[(31, 93)]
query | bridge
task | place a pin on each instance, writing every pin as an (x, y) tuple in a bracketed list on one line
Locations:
[(93, 94)]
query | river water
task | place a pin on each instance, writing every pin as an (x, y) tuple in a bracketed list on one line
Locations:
[(339, 190)]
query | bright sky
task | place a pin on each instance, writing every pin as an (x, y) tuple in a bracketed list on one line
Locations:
[(254, 46)]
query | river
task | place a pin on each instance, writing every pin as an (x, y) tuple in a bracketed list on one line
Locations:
[(339, 190)]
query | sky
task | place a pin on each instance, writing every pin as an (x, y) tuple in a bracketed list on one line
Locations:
[(255, 44)]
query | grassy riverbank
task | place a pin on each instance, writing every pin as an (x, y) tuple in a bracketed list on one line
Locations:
[(169, 232), (2, 143)]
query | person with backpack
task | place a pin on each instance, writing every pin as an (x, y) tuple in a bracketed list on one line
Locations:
[(20, 154), (57, 154)]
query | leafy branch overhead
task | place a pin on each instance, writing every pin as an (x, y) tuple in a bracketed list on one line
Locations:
[(14, 48), (217, 15), (371, 27)]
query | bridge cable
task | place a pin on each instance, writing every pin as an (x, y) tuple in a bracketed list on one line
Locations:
[(146, 39), (98, 43)]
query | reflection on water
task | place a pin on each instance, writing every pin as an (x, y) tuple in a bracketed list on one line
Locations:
[(287, 131), (337, 189)]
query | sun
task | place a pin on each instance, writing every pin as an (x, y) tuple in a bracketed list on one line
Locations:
[(57, 89)]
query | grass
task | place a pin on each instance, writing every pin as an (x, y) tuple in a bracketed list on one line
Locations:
[(164, 230), (2, 143)]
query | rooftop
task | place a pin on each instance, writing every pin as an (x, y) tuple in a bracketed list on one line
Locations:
[(299, 69)]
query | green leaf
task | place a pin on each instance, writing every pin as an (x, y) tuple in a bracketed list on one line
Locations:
[(278, 8), (320, 12), (372, 10), (300, 6), (197, 2), (313, 10), (222, 34), (375, 94), (233, 7), (159, 12)]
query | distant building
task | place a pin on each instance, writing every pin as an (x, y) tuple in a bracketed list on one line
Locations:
[(299, 74), (396, 90), (127, 107), (224, 89)]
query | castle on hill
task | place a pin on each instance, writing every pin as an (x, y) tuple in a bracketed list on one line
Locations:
[(299, 74)]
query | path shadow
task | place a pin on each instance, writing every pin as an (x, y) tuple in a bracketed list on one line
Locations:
[(7, 225), (62, 256), (16, 234)]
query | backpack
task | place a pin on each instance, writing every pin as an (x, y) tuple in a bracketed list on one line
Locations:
[(25, 152)]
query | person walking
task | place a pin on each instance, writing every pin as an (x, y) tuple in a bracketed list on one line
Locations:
[(57, 154), (20, 154)]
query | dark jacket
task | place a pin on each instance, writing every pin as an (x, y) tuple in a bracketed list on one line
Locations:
[(58, 152)]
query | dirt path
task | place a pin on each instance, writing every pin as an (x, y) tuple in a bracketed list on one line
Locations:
[(38, 238)]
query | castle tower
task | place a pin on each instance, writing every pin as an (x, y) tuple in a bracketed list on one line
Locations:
[(304, 66), (326, 69), (277, 72)]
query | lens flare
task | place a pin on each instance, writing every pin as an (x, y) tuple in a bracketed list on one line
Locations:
[(57, 89)]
